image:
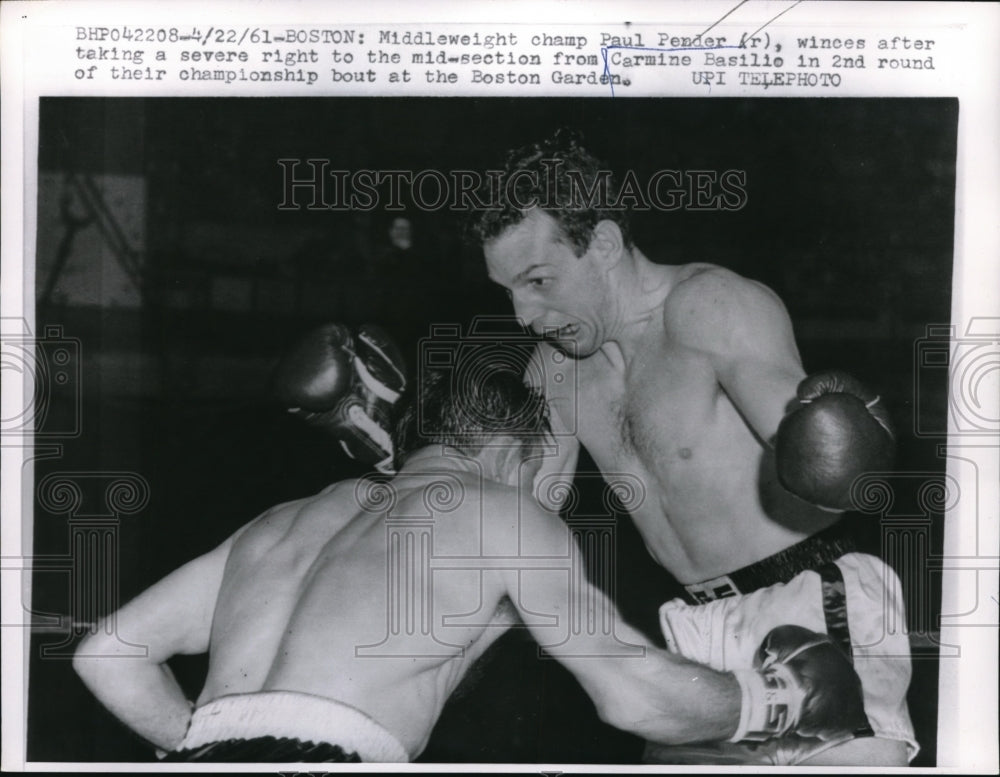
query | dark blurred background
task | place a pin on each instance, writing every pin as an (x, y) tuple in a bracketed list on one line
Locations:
[(168, 273)]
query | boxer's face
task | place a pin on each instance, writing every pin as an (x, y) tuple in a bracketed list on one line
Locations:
[(555, 292)]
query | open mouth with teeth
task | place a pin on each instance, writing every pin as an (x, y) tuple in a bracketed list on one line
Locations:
[(566, 332)]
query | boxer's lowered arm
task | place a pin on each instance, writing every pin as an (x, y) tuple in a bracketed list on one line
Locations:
[(173, 616), (800, 681), (649, 692)]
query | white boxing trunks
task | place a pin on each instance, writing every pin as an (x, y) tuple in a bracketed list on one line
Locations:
[(285, 727), (853, 597)]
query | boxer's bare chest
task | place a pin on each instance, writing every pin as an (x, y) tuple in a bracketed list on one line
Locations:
[(664, 419), (654, 413)]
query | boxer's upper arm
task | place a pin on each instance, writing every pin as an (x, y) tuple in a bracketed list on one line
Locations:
[(556, 378), (547, 583), (746, 333), (170, 617)]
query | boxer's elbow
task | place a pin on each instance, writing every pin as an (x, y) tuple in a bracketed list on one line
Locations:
[(89, 659), (94, 657), (90, 669)]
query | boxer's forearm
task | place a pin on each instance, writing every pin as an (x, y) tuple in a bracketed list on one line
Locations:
[(142, 695), (698, 705), (668, 700)]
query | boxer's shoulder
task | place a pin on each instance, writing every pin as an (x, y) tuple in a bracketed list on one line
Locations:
[(319, 516), (707, 303), (701, 287)]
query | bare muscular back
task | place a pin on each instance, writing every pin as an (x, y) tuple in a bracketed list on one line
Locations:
[(305, 591), (712, 503)]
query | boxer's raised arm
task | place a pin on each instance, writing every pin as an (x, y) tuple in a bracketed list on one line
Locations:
[(827, 430), (745, 331), (554, 375), (173, 616)]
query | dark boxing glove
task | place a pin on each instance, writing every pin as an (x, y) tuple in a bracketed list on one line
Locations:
[(346, 384), (841, 431), (802, 683)]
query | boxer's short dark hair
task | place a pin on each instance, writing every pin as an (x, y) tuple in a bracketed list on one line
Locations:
[(468, 415), (566, 202)]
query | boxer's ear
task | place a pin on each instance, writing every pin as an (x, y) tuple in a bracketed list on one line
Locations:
[(607, 244)]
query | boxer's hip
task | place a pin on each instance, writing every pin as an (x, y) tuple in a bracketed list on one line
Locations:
[(285, 727)]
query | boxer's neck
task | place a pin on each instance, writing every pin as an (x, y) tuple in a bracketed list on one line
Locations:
[(639, 288), (492, 462), (435, 458)]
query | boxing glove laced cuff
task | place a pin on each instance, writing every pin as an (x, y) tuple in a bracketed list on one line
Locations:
[(772, 702), (870, 404), (374, 385)]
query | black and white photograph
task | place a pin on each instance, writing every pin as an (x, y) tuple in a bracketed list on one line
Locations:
[(213, 264), (499, 430)]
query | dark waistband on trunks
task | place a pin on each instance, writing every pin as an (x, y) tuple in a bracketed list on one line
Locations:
[(813, 552), (263, 750)]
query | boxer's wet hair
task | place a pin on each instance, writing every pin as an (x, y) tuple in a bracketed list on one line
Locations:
[(468, 414), (561, 177)]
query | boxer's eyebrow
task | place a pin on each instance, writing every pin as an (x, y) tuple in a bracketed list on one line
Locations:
[(527, 271), (520, 276)]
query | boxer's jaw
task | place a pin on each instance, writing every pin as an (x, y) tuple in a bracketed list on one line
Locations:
[(573, 340)]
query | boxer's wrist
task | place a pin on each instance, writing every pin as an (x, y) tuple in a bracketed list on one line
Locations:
[(159, 752)]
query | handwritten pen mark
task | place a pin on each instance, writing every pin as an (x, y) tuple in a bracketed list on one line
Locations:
[(724, 17), (775, 17), (743, 39), (606, 49)]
